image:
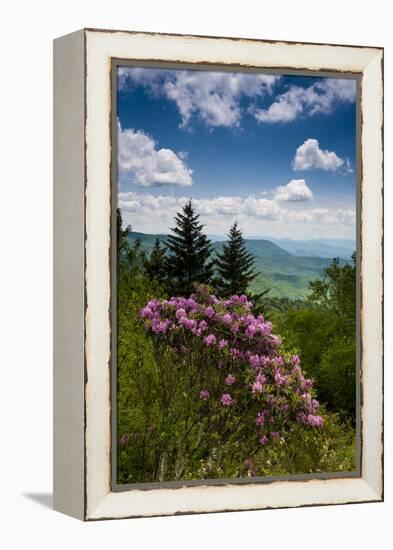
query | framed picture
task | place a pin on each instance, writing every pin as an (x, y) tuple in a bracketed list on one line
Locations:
[(218, 251)]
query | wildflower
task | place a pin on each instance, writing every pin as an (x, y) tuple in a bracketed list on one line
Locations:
[(146, 313), (279, 378), (227, 319), (261, 418), (257, 387), (274, 435), (210, 340), (189, 324), (226, 399), (191, 304), (222, 343), (250, 331), (204, 395), (263, 440), (314, 420), (160, 326), (180, 313), (230, 379), (260, 378), (209, 311), (254, 360), (153, 304)]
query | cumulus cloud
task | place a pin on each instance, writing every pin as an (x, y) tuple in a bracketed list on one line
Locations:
[(309, 155), (320, 97), (247, 209), (295, 190), (139, 157), (217, 206), (212, 97)]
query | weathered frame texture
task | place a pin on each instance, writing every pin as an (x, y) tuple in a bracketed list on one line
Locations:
[(84, 255)]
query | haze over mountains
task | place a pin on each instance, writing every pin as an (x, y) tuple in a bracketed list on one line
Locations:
[(285, 266)]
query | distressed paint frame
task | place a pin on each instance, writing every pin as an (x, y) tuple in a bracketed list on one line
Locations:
[(90, 435)]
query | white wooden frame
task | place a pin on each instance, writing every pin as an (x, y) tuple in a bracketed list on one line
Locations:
[(82, 207)]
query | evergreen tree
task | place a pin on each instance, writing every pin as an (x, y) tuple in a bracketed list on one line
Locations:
[(234, 264), (155, 264), (188, 261)]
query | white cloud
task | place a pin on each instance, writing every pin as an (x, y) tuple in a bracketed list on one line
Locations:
[(295, 190), (155, 213), (320, 97), (309, 155), (139, 157), (213, 97)]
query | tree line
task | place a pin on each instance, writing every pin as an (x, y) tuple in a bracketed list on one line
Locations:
[(186, 258)]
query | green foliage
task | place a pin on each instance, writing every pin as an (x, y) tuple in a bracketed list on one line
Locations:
[(337, 375), (161, 432), (234, 265), (154, 264), (330, 449), (337, 290), (189, 250), (324, 335)]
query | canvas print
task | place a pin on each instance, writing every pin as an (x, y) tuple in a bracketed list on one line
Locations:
[(236, 301)]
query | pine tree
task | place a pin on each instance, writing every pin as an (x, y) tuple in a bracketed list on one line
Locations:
[(155, 264), (188, 261), (234, 264)]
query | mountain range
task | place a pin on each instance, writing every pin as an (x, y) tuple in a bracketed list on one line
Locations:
[(284, 266)]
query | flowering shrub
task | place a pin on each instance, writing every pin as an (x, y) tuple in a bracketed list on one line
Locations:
[(240, 382)]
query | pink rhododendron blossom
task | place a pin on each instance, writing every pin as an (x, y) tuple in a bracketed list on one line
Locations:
[(192, 304), (210, 340), (227, 319), (226, 399), (315, 420), (230, 379), (180, 313), (261, 418), (209, 311), (250, 331), (222, 343), (279, 378), (263, 440), (204, 395), (190, 324), (257, 387)]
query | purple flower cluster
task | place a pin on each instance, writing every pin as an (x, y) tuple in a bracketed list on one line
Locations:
[(243, 353)]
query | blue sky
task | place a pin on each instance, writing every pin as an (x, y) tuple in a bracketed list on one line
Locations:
[(276, 152)]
